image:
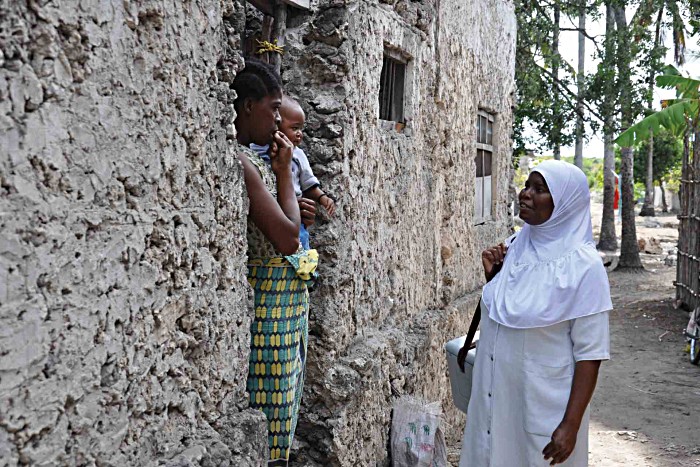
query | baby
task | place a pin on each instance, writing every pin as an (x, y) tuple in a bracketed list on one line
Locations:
[(306, 185)]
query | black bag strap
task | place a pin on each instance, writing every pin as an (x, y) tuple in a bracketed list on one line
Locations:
[(477, 313), (472, 327)]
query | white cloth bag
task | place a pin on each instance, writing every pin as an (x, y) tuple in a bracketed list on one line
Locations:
[(416, 437)]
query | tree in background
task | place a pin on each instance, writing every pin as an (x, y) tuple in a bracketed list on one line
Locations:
[(580, 84), (544, 101), (556, 64), (677, 115), (613, 97), (661, 14), (602, 91), (668, 155), (629, 250)]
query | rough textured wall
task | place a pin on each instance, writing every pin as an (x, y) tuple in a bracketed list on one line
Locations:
[(401, 261), (123, 304)]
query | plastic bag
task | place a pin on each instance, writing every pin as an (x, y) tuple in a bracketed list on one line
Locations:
[(693, 322), (416, 437)]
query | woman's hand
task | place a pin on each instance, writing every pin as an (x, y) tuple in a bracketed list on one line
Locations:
[(462, 355), (564, 437), (562, 444), (281, 153), (278, 221), (307, 209), (492, 260)]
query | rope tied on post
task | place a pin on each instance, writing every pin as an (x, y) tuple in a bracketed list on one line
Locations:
[(269, 47)]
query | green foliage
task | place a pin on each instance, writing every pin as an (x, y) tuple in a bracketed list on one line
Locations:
[(668, 154), (619, 91), (593, 168), (673, 178), (673, 117), (538, 107)]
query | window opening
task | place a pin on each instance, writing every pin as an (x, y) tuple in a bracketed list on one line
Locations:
[(391, 89), (483, 199)]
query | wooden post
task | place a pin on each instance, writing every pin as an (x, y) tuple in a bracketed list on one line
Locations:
[(278, 30), (688, 268), (694, 220), (267, 36), (681, 267)]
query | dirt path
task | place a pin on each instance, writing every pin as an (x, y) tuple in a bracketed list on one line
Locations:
[(646, 409)]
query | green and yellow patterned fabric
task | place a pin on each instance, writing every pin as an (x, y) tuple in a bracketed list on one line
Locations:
[(279, 335)]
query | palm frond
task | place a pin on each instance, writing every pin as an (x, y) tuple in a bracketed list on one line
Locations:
[(672, 118), (678, 27), (685, 87)]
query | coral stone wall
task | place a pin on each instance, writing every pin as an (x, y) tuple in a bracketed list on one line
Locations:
[(401, 262), (124, 310), (123, 303)]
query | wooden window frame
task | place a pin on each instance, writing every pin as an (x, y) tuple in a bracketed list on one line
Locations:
[(393, 78), (485, 144)]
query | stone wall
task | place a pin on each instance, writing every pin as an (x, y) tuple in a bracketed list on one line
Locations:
[(124, 310), (123, 301), (401, 261)]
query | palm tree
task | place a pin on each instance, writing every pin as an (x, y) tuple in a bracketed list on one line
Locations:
[(608, 237), (676, 116), (629, 250), (556, 61), (641, 20), (580, 79), (681, 117)]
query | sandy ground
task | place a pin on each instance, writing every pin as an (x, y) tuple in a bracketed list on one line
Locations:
[(646, 409)]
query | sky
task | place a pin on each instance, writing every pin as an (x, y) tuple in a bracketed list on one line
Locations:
[(569, 51)]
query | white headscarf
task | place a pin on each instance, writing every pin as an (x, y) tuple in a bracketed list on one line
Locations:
[(552, 271)]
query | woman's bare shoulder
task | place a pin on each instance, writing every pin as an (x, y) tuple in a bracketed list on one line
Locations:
[(249, 167)]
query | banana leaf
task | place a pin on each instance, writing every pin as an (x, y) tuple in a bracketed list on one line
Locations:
[(685, 87), (672, 118)]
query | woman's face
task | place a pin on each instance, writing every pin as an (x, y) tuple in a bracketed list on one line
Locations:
[(264, 118), (536, 203)]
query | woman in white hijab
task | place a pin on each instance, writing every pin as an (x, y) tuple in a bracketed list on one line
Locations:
[(544, 331)]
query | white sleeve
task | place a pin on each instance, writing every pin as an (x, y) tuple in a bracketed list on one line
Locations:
[(306, 176), (590, 336)]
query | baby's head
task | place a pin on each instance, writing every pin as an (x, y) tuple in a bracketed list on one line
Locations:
[(293, 119)]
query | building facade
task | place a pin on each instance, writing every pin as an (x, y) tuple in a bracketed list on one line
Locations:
[(423, 187), (123, 300)]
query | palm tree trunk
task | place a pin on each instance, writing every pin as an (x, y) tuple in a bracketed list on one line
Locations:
[(629, 249), (648, 207), (556, 131), (608, 238), (578, 155), (664, 205)]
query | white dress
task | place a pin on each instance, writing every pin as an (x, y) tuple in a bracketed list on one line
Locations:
[(520, 388)]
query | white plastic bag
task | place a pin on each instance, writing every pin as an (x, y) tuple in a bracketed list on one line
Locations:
[(693, 322), (416, 438)]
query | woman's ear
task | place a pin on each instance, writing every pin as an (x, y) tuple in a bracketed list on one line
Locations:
[(248, 105)]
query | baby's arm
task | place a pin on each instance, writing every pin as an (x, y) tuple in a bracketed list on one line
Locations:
[(310, 184), (317, 194)]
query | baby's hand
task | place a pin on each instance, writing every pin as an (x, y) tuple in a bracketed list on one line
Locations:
[(328, 204)]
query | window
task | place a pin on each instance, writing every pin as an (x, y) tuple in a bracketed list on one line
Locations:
[(391, 89), (484, 166)]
